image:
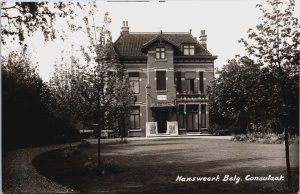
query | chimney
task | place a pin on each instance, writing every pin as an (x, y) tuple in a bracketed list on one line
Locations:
[(125, 28), (203, 38)]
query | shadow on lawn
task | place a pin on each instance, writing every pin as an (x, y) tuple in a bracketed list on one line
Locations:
[(149, 173)]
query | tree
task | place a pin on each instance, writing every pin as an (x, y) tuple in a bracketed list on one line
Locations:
[(111, 93), (264, 85), (26, 120), (98, 86), (20, 20), (234, 94), (68, 90), (275, 42)]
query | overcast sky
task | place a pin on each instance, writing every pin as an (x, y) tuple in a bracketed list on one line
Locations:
[(225, 22)]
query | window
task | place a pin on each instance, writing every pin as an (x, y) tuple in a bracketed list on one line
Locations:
[(134, 118), (134, 82), (192, 114), (160, 80), (190, 86), (160, 53), (190, 82), (188, 49), (201, 82), (181, 116), (203, 115)]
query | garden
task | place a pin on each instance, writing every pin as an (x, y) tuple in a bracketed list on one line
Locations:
[(154, 165)]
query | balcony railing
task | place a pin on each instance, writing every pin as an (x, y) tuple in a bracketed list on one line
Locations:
[(182, 96)]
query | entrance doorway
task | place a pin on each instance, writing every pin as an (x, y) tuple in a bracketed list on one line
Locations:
[(162, 122), (161, 116)]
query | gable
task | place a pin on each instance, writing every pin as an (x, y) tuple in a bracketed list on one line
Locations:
[(160, 40)]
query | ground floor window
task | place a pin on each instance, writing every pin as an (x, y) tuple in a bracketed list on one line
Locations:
[(192, 117), (134, 118), (203, 115)]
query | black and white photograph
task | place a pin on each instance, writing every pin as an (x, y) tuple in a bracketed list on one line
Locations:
[(150, 96)]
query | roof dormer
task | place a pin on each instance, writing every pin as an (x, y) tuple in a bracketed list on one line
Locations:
[(160, 41), (189, 49)]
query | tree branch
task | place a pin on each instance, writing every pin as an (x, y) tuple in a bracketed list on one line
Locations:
[(12, 7)]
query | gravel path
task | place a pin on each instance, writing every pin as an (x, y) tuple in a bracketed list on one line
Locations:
[(20, 176)]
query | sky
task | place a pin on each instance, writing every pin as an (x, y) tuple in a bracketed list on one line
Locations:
[(224, 21)]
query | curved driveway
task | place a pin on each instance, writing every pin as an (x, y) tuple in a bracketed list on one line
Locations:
[(20, 176)]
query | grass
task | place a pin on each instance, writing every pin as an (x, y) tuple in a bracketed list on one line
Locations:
[(153, 166)]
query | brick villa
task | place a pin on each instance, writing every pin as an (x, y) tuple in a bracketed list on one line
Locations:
[(169, 73)]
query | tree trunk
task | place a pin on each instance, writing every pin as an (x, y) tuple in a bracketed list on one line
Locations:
[(70, 135), (99, 115), (122, 127), (285, 124), (82, 137), (287, 158), (99, 136)]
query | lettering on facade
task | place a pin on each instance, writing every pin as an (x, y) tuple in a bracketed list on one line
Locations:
[(161, 97)]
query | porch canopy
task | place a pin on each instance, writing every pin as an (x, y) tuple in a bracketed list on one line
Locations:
[(163, 106)]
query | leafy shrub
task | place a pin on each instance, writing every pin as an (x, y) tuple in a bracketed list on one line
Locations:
[(294, 139), (265, 138), (216, 129), (107, 166)]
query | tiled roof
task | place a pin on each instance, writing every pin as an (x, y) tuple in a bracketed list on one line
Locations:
[(131, 44)]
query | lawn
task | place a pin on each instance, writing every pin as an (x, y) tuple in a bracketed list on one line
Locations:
[(154, 165)]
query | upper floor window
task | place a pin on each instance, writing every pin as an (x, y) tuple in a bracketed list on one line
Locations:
[(134, 82), (188, 49), (160, 80), (190, 82), (160, 52)]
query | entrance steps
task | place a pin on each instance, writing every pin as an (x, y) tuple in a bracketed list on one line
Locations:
[(182, 135)]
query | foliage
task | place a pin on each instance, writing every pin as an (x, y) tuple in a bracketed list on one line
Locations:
[(110, 93), (276, 40), (20, 20), (92, 92), (265, 138), (262, 87), (276, 44), (26, 121), (106, 167), (68, 89), (244, 93)]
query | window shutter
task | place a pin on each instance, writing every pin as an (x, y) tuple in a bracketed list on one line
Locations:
[(183, 83), (178, 82), (201, 86)]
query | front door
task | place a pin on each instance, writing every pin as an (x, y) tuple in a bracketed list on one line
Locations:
[(161, 119), (162, 124)]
